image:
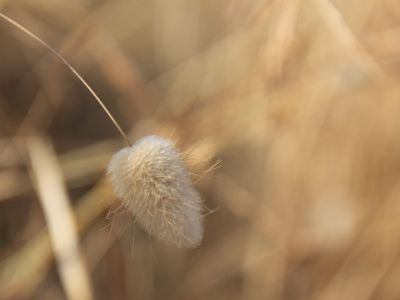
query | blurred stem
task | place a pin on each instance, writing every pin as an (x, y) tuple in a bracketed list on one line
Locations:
[(60, 219)]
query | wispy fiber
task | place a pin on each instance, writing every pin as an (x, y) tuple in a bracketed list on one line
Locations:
[(153, 184)]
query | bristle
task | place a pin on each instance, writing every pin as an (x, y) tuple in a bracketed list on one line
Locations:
[(153, 183)]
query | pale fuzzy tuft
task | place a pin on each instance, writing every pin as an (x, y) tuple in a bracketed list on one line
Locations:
[(153, 183)]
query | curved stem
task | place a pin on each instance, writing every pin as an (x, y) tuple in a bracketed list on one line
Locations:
[(72, 69)]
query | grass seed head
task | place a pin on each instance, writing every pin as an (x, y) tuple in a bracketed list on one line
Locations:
[(153, 184)]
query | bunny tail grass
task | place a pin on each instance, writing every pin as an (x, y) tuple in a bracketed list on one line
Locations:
[(72, 69), (153, 183)]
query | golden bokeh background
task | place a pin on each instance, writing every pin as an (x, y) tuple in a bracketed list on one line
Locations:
[(300, 99)]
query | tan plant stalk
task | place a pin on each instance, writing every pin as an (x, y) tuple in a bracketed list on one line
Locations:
[(72, 69)]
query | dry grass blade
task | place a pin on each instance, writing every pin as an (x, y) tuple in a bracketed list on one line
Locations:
[(28, 267), (73, 70), (61, 222), (22, 273), (334, 19)]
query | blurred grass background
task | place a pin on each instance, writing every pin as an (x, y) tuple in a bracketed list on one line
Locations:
[(299, 98)]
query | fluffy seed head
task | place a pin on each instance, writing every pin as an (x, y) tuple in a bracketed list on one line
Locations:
[(153, 183)]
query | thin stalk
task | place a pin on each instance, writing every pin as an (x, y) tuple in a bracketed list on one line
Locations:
[(72, 69)]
